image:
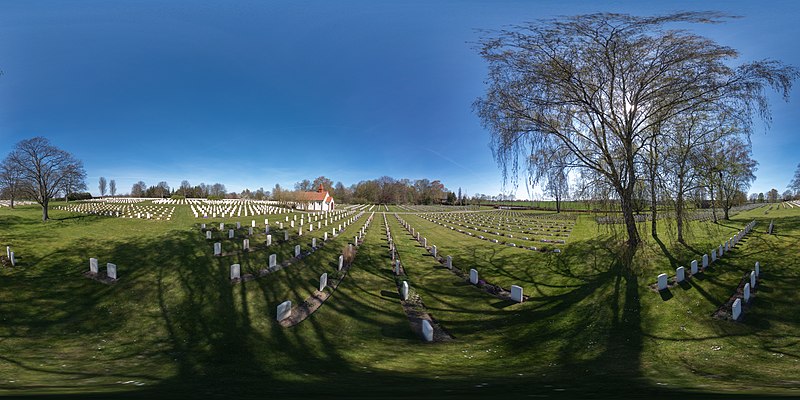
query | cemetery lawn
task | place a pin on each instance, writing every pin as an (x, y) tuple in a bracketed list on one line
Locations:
[(174, 326)]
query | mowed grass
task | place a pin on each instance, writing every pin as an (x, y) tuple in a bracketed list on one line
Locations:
[(175, 327)]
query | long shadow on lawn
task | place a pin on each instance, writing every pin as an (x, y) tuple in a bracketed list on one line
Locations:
[(209, 332)]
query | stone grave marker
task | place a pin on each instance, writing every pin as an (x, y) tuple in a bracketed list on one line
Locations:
[(694, 267), (217, 249), (753, 279), (473, 276), (269, 240), (758, 269), (208, 235), (246, 245), (705, 261), (746, 292), (427, 330), (284, 310), (516, 293), (323, 281), (285, 236), (313, 243), (297, 251), (662, 281), (449, 262), (111, 270), (680, 272), (273, 260), (93, 268), (433, 251), (341, 262), (736, 310), (236, 271), (404, 291), (230, 233)]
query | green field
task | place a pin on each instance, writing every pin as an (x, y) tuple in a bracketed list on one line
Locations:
[(174, 326)]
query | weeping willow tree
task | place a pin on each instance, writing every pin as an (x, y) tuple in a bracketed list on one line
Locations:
[(600, 85)]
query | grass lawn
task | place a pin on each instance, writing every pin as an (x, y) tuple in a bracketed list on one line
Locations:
[(174, 326)]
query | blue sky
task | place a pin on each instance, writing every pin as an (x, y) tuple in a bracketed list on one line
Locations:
[(251, 94)]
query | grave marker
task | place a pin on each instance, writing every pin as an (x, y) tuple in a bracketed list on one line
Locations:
[(662, 281), (680, 272), (297, 251), (93, 268), (341, 262), (427, 330), (236, 271), (323, 281), (111, 271), (284, 310), (746, 292), (516, 293), (404, 291), (217, 249), (736, 310), (273, 260), (473, 276), (694, 267)]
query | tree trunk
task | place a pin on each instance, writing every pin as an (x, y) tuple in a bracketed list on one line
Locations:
[(45, 217), (626, 204), (653, 203), (713, 209), (558, 205), (679, 211)]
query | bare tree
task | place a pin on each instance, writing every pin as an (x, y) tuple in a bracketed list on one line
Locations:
[(795, 183), (74, 179), (44, 168), (138, 189), (102, 186), (737, 173), (601, 84), (185, 186), (10, 179), (112, 187), (162, 189), (303, 186)]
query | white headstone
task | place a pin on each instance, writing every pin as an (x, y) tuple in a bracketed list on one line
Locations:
[(238, 225), (250, 231), (297, 251), (323, 281), (111, 270), (208, 235), (202, 226), (314, 243), (273, 260), (404, 291), (473, 276), (736, 310), (284, 310), (433, 251), (705, 261), (13, 260), (713, 255), (230, 233), (425, 242), (758, 269), (694, 267), (236, 271), (746, 292), (680, 272), (449, 262), (246, 244), (516, 293), (285, 236), (217, 249), (269, 240), (753, 281), (221, 225), (93, 268), (253, 223), (325, 237), (427, 330), (397, 267), (662, 281)]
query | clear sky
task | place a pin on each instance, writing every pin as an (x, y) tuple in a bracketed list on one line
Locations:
[(251, 94)]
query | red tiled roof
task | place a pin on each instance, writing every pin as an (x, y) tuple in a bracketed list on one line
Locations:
[(313, 196)]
